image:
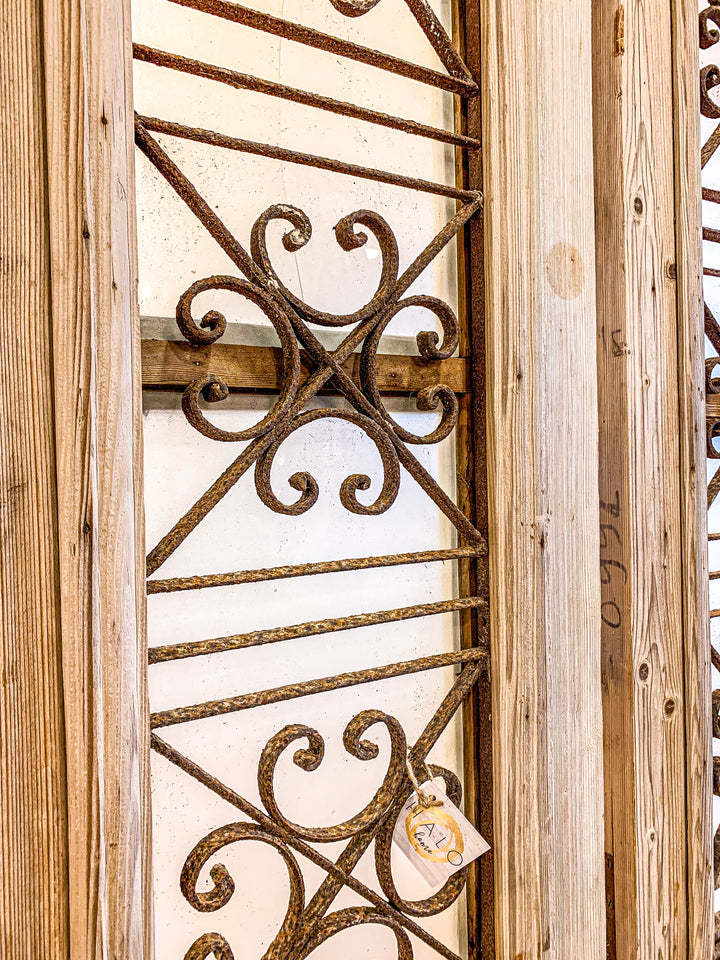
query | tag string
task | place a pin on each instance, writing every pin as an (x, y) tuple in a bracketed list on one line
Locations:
[(425, 800)]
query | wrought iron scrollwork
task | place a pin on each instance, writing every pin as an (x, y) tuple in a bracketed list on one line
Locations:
[(335, 923), (306, 482), (310, 758), (307, 926), (307, 368), (708, 35), (348, 237), (290, 317), (210, 944)]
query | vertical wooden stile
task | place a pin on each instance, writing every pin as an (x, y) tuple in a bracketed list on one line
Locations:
[(655, 646), (542, 478), (74, 745), (693, 482), (34, 822)]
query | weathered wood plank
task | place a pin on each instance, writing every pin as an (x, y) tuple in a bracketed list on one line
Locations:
[(87, 697), (649, 354), (693, 482), (124, 899), (33, 825), (542, 474), (172, 365), (72, 348), (712, 405), (126, 895)]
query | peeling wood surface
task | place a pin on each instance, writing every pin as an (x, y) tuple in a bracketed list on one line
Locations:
[(542, 476)]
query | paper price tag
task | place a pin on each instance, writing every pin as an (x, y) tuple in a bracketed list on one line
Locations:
[(437, 838)]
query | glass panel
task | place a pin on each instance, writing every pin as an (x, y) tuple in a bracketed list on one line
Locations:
[(341, 474)]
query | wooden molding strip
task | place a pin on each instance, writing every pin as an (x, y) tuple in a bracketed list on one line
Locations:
[(543, 480), (172, 365)]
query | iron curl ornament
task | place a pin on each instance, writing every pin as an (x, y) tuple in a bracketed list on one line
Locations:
[(290, 317), (306, 926)]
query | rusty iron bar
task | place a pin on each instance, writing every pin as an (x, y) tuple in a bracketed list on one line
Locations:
[(243, 81), (175, 584), (710, 146), (317, 380), (440, 41), (271, 152), (712, 195), (712, 332), (463, 85), (308, 688), (709, 233), (256, 638), (339, 874), (713, 488)]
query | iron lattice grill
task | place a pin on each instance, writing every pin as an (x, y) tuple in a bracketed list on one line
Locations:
[(308, 368)]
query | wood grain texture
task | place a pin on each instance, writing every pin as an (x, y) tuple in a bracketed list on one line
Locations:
[(649, 378), (109, 171), (33, 825), (712, 404), (542, 475), (171, 365), (693, 483), (71, 337), (95, 380)]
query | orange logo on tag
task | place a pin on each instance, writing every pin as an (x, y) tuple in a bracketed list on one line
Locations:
[(435, 836)]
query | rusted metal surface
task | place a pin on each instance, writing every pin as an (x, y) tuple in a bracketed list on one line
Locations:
[(709, 80), (306, 570), (257, 638), (244, 81), (307, 688), (213, 139), (375, 422), (306, 926), (456, 80), (303, 368)]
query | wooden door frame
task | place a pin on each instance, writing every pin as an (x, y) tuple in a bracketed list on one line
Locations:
[(75, 844), (656, 657), (76, 841)]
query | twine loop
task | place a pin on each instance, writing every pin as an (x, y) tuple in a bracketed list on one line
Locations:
[(425, 800)]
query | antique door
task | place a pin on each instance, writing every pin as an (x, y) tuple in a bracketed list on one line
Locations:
[(309, 207)]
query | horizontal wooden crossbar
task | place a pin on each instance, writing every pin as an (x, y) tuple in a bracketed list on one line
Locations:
[(172, 365), (712, 406)]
